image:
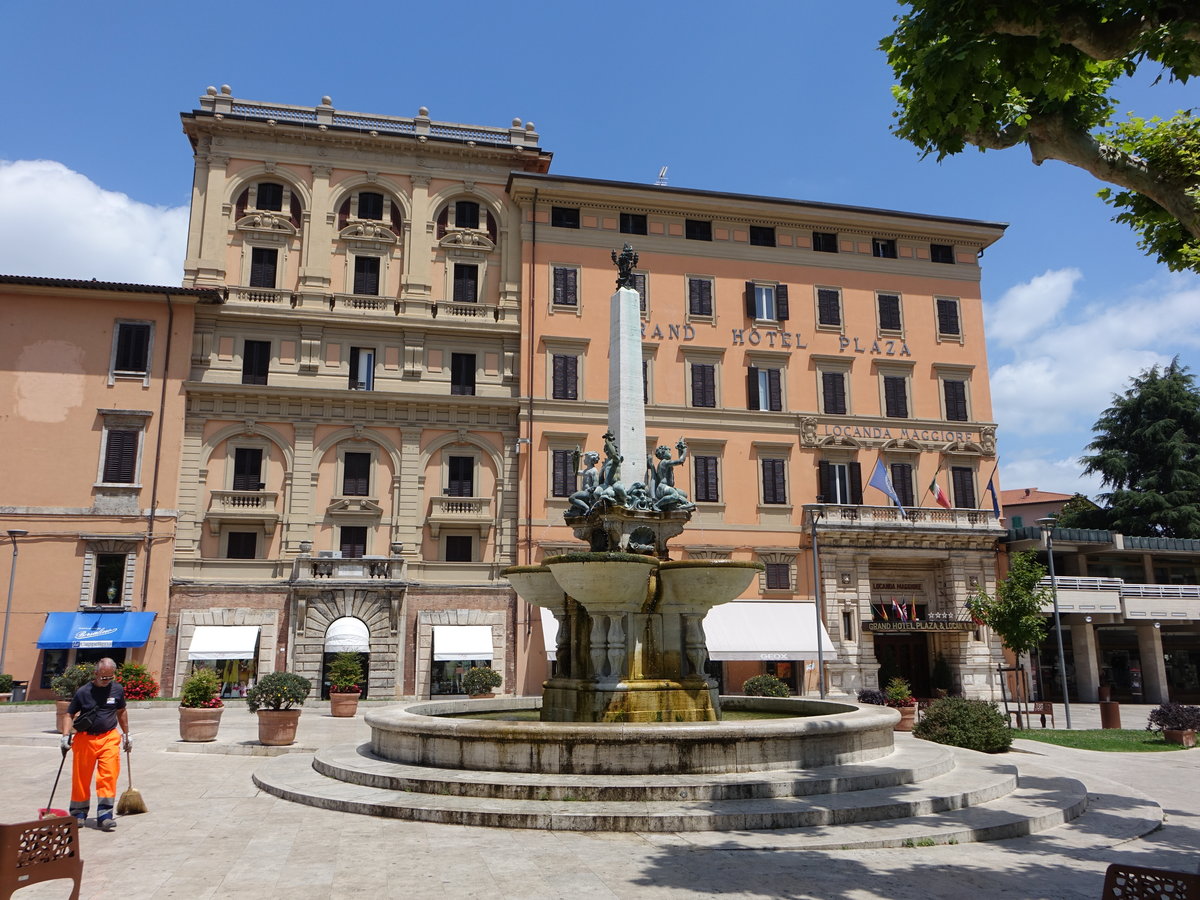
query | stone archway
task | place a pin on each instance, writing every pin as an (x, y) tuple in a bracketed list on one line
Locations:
[(315, 610)]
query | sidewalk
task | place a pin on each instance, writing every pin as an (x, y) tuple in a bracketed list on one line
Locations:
[(210, 833)]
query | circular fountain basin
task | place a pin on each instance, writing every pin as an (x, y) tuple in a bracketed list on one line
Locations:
[(821, 733)]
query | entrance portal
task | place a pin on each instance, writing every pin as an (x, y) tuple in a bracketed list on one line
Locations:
[(905, 656)]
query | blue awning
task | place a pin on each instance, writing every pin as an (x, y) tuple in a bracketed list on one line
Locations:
[(63, 631)]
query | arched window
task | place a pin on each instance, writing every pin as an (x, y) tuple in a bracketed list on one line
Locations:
[(269, 196), (370, 206), (464, 215)]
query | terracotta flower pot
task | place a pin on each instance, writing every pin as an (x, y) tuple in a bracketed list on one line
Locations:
[(199, 723), (486, 696), (1183, 738), (62, 721), (343, 706), (277, 727), (908, 716)]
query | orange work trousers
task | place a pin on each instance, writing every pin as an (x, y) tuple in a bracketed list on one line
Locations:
[(99, 754)]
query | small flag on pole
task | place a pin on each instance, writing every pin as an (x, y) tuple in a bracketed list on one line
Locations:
[(899, 610), (995, 500), (938, 494), (883, 482)]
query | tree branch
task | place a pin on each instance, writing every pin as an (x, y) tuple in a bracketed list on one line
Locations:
[(1101, 41)]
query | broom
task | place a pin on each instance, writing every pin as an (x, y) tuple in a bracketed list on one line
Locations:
[(131, 801)]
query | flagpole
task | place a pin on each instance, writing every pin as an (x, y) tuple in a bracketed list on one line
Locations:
[(816, 562)]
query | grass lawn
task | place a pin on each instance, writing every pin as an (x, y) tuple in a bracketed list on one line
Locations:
[(1122, 740)]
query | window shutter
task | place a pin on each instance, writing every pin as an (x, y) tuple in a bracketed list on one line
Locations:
[(947, 316), (645, 381), (396, 219), (460, 481), (774, 391), (639, 285), (707, 489), (247, 468), (963, 480), (895, 397), (366, 275), (466, 214), (491, 226), (751, 311), (370, 206), (780, 483), (856, 483), (133, 347), (902, 481), (297, 211), (256, 361), (704, 392), (263, 264), (443, 223), (889, 312), (563, 479), (752, 401), (239, 208), (356, 474), (343, 214), (956, 400), (466, 283), (825, 482), (353, 541), (833, 385), (120, 457), (828, 308), (782, 313)]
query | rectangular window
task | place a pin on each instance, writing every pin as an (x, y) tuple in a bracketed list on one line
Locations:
[(563, 475), (825, 242), (889, 312), (247, 469), (241, 545), (762, 236), (120, 456), (704, 385), (356, 475), (269, 196), (639, 285), (962, 481), (460, 476), (941, 253), (833, 393), (633, 223), (362, 369), (366, 275), (707, 485), (645, 381), (902, 481), (947, 316), (566, 282), (459, 548), (764, 389), (466, 283), (700, 297), (829, 307), (256, 361), (462, 374), (779, 577), (956, 400), (895, 396), (466, 214), (353, 541), (370, 206), (564, 217), (839, 483), (767, 301), (774, 481), (697, 230), (885, 248), (566, 377), (132, 355), (108, 587), (264, 265)]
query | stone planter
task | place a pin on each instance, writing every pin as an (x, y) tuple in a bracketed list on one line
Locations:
[(277, 727), (199, 723), (6, 698), (1183, 738), (62, 720), (908, 717), (343, 706)]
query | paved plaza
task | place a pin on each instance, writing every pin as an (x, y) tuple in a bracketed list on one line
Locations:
[(210, 832)]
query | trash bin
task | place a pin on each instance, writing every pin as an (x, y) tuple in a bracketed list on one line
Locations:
[(1110, 714), (18, 691)]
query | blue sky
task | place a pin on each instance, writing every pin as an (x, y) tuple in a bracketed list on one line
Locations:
[(789, 100)]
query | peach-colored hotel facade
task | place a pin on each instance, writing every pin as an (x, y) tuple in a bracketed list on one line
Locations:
[(379, 411)]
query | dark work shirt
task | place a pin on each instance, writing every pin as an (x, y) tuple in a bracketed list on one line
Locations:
[(104, 700)]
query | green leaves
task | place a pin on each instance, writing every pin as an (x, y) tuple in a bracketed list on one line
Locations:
[(1015, 613)]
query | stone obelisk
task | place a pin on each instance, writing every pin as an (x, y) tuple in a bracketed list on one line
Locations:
[(626, 404)]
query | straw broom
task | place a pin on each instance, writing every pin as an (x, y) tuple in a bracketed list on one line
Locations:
[(131, 801)]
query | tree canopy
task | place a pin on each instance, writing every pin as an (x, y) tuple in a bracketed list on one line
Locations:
[(995, 75), (1147, 451), (1015, 613)]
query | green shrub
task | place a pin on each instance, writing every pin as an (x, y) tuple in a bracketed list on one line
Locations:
[(278, 690), (139, 684), (201, 689), (6, 684), (66, 684), (345, 673), (765, 686), (899, 693), (480, 680), (973, 724)]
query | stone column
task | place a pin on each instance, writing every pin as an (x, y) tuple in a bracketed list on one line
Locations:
[(626, 411), (298, 511), (1087, 661), (1154, 666), (315, 251), (416, 278)]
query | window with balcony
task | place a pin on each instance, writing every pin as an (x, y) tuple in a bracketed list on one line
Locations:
[(362, 369), (264, 267), (566, 286), (895, 396), (633, 223), (356, 475), (829, 307), (241, 545), (824, 242), (888, 308), (774, 480), (767, 301), (466, 283), (962, 483), (247, 469), (947, 318), (839, 482), (460, 548), (256, 361), (764, 389), (462, 374), (884, 248), (460, 476), (566, 377), (700, 297), (762, 236), (352, 541), (704, 385), (366, 275), (131, 350), (707, 488)]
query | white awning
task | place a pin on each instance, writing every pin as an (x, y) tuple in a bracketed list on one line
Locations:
[(549, 632), (765, 630), (224, 642), (454, 642), (347, 635)]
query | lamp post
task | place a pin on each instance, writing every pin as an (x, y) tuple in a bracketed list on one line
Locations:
[(816, 562), (13, 534), (1047, 526)]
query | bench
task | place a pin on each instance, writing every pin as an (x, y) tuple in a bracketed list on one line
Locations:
[(1041, 708), (1140, 883), (43, 850)]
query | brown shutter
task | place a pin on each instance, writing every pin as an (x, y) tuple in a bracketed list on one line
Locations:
[(856, 483), (344, 214), (752, 399), (774, 391), (782, 312), (750, 310), (825, 482), (120, 457)]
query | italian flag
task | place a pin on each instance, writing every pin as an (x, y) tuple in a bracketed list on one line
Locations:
[(938, 494)]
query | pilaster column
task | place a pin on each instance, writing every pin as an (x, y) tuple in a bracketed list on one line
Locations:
[(1154, 666), (191, 490), (408, 511), (299, 512), (209, 220), (318, 236), (1087, 661), (417, 256)]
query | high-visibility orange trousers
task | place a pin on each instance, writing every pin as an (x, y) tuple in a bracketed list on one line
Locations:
[(99, 754)]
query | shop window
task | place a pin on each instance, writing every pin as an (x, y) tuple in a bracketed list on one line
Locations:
[(54, 663)]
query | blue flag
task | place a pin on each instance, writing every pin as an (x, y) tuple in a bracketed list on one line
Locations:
[(995, 500), (883, 482)]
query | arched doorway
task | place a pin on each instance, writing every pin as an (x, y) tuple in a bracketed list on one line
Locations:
[(348, 634)]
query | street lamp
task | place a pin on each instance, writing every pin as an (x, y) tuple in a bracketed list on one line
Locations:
[(816, 562), (1047, 526), (13, 534)]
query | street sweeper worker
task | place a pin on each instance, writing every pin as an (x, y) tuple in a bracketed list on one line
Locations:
[(96, 711)]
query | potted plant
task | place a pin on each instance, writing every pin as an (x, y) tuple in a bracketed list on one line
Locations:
[(478, 681), (345, 684), (139, 684), (6, 688), (273, 699), (899, 697), (1177, 722), (200, 706), (64, 687)]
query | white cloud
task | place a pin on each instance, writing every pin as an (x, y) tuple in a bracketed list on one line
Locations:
[(1061, 475), (56, 222), (1029, 308)]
